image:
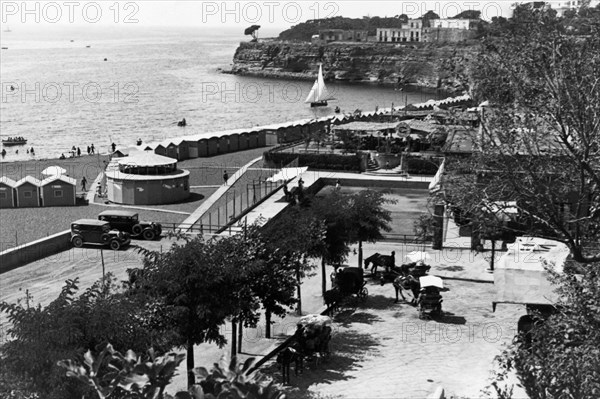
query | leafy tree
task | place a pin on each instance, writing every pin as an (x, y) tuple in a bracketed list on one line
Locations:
[(368, 218), (468, 14), (540, 141), (297, 235), (334, 210), (428, 16), (67, 327), (193, 286), (252, 31)]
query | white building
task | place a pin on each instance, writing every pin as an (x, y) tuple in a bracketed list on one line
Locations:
[(450, 23), (412, 31)]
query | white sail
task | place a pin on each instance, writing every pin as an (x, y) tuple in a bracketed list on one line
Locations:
[(319, 91)]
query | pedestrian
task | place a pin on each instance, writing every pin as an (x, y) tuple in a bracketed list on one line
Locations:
[(3, 153), (387, 164), (225, 177), (83, 183), (338, 186), (114, 147), (93, 149), (78, 151), (88, 149)]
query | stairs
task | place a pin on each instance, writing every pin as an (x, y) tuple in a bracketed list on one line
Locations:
[(372, 166)]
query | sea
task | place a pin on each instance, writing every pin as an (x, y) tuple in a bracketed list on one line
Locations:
[(74, 87)]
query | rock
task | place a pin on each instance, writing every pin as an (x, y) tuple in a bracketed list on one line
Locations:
[(430, 65)]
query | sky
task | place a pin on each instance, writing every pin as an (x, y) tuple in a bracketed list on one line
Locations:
[(271, 15)]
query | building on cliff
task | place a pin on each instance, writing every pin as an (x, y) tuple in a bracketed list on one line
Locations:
[(560, 6), (340, 35), (451, 23), (412, 31)]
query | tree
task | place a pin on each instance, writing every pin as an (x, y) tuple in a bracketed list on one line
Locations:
[(192, 286), (334, 211), (539, 144), (298, 235), (252, 31), (468, 14), (66, 328), (428, 16), (368, 218)]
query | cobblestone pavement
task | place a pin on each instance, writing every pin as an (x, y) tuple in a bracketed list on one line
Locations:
[(383, 350)]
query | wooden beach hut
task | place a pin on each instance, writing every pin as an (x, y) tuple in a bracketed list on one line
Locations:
[(212, 146), (261, 137), (7, 192), (160, 149), (243, 141), (223, 144), (27, 192), (252, 140), (183, 150), (58, 190), (192, 146), (234, 142)]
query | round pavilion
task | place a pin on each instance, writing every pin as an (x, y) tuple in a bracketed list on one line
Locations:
[(147, 179)]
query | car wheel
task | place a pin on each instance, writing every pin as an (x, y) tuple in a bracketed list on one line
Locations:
[(115, 245), (149, 234), (137, 229), (77, 242)]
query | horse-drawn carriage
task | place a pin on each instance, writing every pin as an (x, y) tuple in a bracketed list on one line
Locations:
[(310, 341), (348, 283)]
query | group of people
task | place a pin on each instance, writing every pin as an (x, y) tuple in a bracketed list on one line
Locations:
[(29, 151), (18, 138), (76, 152)]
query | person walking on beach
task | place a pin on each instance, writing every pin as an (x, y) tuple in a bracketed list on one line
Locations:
[(83, 183), (88, 148), (225, 177), (78, 152), (338, 186), (92, 149), (114, 147)]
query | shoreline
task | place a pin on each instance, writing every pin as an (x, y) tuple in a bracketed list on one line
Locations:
[(305, 76)]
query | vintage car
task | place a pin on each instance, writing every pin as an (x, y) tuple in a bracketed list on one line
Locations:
[(129, 222), (91, 231)]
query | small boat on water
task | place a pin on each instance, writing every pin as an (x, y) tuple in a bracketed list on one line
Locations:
[(319, 95), (9, 142)]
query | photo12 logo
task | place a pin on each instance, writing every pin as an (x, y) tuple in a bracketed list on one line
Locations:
[(258, 92), (70, 12), (291, 12), (54, 92)]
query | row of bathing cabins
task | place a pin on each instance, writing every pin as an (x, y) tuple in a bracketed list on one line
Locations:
[(210, 144), (61, 190)]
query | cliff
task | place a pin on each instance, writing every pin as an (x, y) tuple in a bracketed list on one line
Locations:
[(430, 65)]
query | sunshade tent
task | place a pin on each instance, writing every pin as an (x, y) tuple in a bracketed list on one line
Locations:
[(520, 277), (416, 256), (54, 171), (431, 281), (367, 127), (315, 319), (287, 174)]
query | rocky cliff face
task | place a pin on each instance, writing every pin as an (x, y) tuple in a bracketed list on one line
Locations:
[(429, 65)]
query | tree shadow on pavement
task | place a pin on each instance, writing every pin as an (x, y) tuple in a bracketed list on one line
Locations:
[(360, 317), (379, 302), (451, 318), (347, 349)]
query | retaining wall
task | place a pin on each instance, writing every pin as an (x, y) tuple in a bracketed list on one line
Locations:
[(35, 250)]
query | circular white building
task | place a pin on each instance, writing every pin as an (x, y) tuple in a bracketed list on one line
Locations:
[(147, 179)]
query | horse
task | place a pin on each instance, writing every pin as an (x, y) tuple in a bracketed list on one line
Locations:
[(407, 282), (380, 260), (285, 358), (332, 299)]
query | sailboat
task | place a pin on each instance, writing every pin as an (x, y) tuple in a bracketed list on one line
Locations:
[(319, 95)]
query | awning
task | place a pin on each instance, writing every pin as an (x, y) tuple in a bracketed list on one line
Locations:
[(519, 275), (286, 174), (54, 171)]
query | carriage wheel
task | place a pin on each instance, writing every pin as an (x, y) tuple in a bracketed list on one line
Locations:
[(362, 294)]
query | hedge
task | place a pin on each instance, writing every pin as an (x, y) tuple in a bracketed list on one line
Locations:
[(422, 166), (314, 161)]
